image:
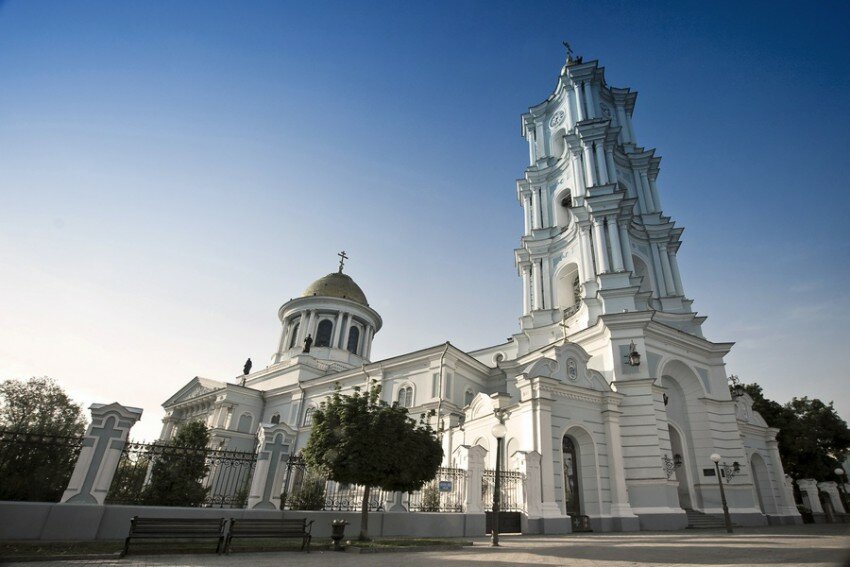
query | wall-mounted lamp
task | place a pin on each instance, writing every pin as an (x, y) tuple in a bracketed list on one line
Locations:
[(633, 358), (670, 465), (737, 387)]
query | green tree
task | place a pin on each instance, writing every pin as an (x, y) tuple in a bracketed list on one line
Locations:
[(813, 439), (179, 468), (359, 439), (39, 447)]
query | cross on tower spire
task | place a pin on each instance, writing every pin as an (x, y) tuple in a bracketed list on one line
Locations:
[(342, 259)]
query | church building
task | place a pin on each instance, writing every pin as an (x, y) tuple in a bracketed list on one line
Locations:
[(608, 383)]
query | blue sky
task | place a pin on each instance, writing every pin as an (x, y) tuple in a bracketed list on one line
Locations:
[(171, 172)]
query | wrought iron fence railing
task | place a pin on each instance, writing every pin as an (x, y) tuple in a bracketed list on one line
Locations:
[(36, 467), (170, 475), (510, 490), (446, 493)]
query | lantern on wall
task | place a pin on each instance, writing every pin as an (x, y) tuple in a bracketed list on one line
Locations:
[(633, 358)]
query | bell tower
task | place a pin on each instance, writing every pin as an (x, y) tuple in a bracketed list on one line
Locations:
[(595, 238)]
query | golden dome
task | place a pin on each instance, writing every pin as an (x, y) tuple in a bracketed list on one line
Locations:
[(336, 285)]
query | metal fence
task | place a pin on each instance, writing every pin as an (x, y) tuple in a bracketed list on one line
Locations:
[(169, 475), (305, 489), (36, 467), (446, 493), (510, 490)]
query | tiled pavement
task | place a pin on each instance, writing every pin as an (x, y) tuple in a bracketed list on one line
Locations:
[(807, 546)]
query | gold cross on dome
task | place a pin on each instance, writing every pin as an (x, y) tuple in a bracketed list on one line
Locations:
[(342, 259)]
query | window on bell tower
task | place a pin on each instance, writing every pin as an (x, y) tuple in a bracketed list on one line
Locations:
[(353, 340), (324, 332)]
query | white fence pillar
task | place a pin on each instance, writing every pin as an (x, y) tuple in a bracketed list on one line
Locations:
[(830, 488), (274, 450), (528, 463), (809, 490), (100, 453), (472, 460)]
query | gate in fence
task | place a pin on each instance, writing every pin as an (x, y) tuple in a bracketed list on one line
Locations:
[(169, 475), (446, 493), (510, 503)]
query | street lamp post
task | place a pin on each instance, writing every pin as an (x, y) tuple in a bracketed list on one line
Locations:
[(499, 432), (716, 459)]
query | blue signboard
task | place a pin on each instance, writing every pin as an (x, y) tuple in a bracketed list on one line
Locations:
[(445, 486)]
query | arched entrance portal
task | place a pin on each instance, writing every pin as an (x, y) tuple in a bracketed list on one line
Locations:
[(572, 492), (761, 482), (683, 489)]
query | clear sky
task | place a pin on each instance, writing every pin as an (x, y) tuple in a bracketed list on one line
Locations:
[(172, 172)]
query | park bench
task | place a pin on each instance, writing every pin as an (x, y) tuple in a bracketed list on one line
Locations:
[(176, 528), (270, 528)]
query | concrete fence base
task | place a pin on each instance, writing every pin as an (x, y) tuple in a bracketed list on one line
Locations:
[(86, 522)]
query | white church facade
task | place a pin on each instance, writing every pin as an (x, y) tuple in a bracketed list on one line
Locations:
[(609, 384)]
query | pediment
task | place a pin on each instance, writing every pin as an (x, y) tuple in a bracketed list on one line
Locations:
[(195, 388)]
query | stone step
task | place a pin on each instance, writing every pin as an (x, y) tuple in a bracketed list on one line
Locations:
[(699, 520)]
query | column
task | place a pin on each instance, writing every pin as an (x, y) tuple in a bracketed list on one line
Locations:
[(525, 269), (626, 246), (616, 467), (624, 129), (269, 473), (588, 100), (787, 506), (532, 145), (600, 246), (167, 427), (632, 137), (100, 453), (337, 330), (647, 194), (546, 276), (569, 112), (612, 166), (809, 488), (281, 345), (578, 174), (541, 140), (579, 105), (674, 268), (659, 276), (536, 285), (588, 270), (535, 208), (614, 237), (345, 329), (471, 459), (544, 201), (600, 162), (370, 334), (526, 211), (302, 328), (543, 444), (590, 169), (830, 488), (665, 267), (653, 190), (528, 463)]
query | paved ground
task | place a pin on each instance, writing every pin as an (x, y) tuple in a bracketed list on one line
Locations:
[(807, 546)]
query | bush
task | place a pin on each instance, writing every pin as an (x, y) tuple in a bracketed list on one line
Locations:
[(310, 495), (430, 499)]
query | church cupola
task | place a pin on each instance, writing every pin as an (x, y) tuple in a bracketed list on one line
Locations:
[(330, 321)]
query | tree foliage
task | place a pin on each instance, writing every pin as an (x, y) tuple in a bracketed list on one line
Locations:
[(360, 439), (178, 471), (39, 447), (813, 439)]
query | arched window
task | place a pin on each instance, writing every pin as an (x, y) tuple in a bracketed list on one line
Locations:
[(244, 425), (467, 397), (324, 332), (353, 339), (294, 335), (405, 396), (276, 418), (308, 416)]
